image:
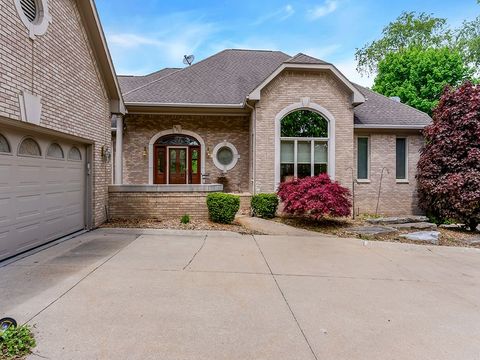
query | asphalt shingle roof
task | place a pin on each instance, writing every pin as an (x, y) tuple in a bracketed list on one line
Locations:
[(381, 110), (230, 75), (130, 82)]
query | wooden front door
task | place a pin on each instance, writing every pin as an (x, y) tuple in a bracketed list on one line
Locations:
[(194, 165), (159, 170), (177, 165)]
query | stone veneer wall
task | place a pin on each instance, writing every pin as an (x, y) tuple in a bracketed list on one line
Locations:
[(61, 68), (148, 205), (288, 88), (395, 198), (213, 129)]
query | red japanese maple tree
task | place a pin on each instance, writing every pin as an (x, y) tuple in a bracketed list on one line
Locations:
[(315, 197), (449, 167)]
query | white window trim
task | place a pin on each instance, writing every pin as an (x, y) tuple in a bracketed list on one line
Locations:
[(40, 25), (170, 132), (305, 104), (367, 180), (402, 181), (235, 158)]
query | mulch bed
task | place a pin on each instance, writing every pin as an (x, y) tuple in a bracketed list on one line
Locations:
[(175, 224), (340, 227)]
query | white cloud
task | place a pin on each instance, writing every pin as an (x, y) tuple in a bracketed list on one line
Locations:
[(278, 15), (348, 68), (140, 52), (328, 7)]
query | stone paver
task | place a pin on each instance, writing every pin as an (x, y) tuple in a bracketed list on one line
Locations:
[(430, 237), (372, 230), (137, 294)]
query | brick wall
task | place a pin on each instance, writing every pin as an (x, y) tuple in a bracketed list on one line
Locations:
[(289, 88), (60, 67), (148, 205), (395, 198), (213, 129)]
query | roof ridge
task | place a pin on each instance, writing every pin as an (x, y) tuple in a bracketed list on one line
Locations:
[(165, 68), (390, 99), (151, 82)]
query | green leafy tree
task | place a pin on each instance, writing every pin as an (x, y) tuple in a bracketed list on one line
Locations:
[(419, 76), (424, 31), (408, 30), (468, 42)]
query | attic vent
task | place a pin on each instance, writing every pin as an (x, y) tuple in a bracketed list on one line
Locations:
[(30, 9)]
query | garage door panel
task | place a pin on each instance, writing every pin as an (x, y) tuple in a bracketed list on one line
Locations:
[(40, 199)]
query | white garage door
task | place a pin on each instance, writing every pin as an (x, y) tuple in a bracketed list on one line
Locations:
[(42, 190)]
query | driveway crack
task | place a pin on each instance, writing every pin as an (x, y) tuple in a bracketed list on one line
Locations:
[(79, 281), (285, 299), (196, 253)]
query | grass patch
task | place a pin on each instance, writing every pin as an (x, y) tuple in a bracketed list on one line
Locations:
[(16, 343)]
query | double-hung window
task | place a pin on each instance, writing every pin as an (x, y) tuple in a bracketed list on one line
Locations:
[(303, 145)]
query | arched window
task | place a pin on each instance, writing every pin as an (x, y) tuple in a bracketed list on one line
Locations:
[(4, 145), (55, 151), (29, 147), (74, 154), (177, 140), (303, 145)]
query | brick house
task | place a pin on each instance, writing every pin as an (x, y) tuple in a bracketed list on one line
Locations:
[(58, 90), (242, 121)]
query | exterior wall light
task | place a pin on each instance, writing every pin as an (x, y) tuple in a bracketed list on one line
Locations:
[(145, 152), (106, 154)]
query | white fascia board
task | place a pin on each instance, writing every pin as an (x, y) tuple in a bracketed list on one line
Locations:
[(358, 97), (187, 105), (373, 126)]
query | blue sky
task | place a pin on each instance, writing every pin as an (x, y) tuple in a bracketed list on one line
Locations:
[(152, 34)]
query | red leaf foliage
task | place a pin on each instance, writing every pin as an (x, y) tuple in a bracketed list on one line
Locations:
[(449, 166), (315, 197)]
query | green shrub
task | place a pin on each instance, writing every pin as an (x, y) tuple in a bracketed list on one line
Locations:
[(185, 219), (222, 207), (264, 205), (16, 342)]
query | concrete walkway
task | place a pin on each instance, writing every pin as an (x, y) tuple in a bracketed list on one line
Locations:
[(270, 227), (134, 294)]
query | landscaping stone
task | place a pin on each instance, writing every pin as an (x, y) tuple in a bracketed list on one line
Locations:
[(415, 226), (450, 226), (430, 237), (372, 230), (474, 241), (397, 220)]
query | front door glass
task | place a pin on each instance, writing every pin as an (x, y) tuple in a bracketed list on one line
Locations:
[(177, 165)]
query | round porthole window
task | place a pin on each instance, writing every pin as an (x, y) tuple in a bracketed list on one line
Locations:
[(225, 156), (34, 15)]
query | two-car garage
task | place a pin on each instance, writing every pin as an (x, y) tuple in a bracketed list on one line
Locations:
[(43, 189)]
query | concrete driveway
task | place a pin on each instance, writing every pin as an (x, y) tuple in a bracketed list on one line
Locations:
[(130, 294)]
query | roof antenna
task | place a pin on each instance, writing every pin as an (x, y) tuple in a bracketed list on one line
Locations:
[(188, 59)]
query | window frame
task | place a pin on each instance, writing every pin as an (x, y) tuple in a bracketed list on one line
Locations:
[(402, 180), (312, 141), (9, 152), (28, 155), (53, 157), (367, 179)]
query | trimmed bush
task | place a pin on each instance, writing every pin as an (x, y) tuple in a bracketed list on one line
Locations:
[(315, 197), (264, 205), (222, 207)]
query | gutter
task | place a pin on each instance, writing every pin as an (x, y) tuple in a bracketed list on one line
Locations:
[(391, 127), (186, 105)]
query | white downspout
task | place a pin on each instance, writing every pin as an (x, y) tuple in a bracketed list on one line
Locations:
[(119, 151)]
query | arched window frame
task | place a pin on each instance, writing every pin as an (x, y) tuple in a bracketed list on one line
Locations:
[(9, 152), (74, 148), (306, 104), (29, 155), (48, 156)]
